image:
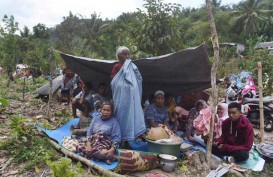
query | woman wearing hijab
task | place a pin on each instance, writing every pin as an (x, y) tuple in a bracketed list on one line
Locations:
[(222, 114), (202, 122), (193, 114)]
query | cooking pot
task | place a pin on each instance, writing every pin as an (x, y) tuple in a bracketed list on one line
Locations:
[(167, 162)]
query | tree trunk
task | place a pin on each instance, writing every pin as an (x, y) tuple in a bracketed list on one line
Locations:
[(214, 39)]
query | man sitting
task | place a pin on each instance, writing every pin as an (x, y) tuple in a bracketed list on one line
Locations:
[(237, 136), (156, 113), (84, 102)]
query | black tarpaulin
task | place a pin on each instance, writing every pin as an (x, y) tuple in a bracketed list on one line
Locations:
[(181, 72)]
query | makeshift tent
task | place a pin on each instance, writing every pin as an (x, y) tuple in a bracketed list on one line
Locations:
[(181, 72)]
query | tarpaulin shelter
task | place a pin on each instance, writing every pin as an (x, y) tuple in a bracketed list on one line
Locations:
[(180, 72), (56, 84)]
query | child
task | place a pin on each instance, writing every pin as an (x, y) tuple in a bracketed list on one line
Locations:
[(103, 135)]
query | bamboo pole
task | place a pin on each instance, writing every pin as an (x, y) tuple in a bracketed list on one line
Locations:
[(261, 106), (214, 68), (84, 160)]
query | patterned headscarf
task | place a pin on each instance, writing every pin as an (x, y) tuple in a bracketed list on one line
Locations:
[(197, 112)]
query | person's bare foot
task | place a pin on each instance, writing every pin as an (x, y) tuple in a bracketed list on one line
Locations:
[(109, 162)]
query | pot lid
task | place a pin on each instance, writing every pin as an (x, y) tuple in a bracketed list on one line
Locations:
[(167, 157)]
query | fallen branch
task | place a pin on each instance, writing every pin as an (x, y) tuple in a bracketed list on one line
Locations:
[(234, 173), (6, 164), (84, 160)]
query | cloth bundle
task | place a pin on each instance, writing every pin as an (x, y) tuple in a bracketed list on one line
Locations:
[(69, 143), (265, 150), (98, 143)]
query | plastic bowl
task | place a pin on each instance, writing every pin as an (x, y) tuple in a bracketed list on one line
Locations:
[(164, 148)]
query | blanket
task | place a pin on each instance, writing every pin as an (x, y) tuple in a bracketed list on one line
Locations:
[(129, 160), (254, 162), (127, 91), (64, 131)]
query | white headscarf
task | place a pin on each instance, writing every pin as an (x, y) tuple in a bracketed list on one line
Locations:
[(225, 113)]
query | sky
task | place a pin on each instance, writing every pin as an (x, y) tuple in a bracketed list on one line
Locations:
[(51, 12)]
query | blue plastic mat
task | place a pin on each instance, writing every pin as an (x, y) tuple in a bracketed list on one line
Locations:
[(64, 130)]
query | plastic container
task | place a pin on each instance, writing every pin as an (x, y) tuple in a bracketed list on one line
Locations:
[(164, 148)]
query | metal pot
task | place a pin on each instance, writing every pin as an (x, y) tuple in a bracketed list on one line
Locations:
[(167, 162)]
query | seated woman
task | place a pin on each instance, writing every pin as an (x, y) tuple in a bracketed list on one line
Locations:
[(202, 122), (156, 113), (222, 114), (193, 114), (103, 135)]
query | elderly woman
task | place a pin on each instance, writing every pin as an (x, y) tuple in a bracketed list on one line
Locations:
[(126, 88)]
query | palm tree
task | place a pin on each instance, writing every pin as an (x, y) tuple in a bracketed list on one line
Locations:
[(250, 13)]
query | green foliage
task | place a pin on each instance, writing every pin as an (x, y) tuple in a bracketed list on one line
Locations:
[(65, 168), (3, 104), (159, 28), (10, 25), (40, 31), (250, 64), (25, 145), (159, 33), (30, 84), (251, 14), (183, 165), (62, 113)]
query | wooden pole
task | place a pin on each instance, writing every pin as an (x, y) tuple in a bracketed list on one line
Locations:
[(261, 105), (24, 87), (214, 68), (50, 83), (84, 160)]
